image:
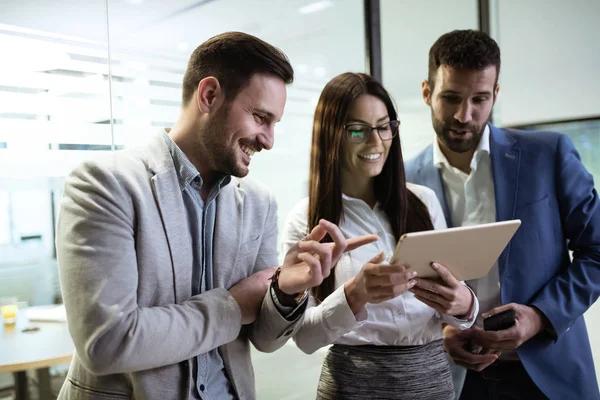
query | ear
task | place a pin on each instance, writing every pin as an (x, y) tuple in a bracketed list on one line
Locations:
[(209, 94), (426, 92), (496, 91)]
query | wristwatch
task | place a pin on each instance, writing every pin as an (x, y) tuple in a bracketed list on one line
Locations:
[(286, 300)]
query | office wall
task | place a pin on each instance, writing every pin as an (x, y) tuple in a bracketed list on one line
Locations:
[(550, 60)]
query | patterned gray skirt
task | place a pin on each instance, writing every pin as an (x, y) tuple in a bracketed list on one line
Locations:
[(386, 372)]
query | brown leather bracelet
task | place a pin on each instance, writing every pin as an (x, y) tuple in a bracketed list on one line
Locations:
[(288, 300)]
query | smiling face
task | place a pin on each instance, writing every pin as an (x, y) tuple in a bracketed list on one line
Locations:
[(361, 162), (245, 125), (461, 103)]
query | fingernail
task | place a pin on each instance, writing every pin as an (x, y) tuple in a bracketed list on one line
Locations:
[(412, 283), (412, 273), (434, 266), (484, 315)]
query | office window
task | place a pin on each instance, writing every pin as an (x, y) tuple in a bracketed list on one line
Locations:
[(585, 135), (550, 60), (54, 109)]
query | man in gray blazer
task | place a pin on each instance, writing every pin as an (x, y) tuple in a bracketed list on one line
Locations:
[(165, 255)]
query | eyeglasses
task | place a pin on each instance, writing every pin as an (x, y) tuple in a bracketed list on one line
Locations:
[(359, 133)]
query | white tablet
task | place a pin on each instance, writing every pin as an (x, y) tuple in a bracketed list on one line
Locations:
[(469, 252)]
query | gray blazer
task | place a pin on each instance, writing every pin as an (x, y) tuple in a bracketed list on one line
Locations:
[(125, 261)]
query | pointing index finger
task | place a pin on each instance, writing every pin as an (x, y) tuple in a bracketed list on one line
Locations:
[(359, 241)]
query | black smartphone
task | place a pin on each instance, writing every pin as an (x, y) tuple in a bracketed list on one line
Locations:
[(500, 321)]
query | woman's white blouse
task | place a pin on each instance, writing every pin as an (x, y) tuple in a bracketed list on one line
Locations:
[(402, 321)]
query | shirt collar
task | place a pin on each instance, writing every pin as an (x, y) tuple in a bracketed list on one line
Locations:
[(439, 159), (187, 174), (353, 200)]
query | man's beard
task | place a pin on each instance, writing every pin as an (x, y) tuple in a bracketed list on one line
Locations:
[(442, 130), (223, 159)]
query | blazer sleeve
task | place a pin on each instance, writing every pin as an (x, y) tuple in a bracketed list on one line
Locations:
[(569, 294), (271, 330), (97, 258)]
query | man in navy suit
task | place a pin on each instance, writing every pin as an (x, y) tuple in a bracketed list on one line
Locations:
[(482, 174)]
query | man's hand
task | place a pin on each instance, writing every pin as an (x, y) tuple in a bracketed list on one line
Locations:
[(377, 282), (529, 321), (250, 292), (308, 262), (447, 296), (458, 344)]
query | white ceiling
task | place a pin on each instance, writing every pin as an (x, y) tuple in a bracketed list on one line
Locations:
[(174, 28)]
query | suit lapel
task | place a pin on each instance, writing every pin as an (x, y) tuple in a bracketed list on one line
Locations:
[(228, 231), (505, 156), (169, 200), (429, 174)]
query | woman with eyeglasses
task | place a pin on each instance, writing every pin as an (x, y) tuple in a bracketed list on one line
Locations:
[(384, 322)]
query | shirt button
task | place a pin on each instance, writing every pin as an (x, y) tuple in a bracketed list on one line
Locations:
[(202, 388)]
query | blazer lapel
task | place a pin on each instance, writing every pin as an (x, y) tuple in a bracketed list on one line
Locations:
[(429, 174), (228, 232), (505, 155), (169, 200)]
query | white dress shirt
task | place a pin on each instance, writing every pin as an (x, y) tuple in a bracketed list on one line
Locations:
[(402, 321), (471, 201)]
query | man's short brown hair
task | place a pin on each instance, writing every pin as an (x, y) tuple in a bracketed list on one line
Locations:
[(233, 58), (463, 49)]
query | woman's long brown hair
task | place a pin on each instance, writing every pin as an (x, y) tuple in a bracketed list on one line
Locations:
[(406, 213)]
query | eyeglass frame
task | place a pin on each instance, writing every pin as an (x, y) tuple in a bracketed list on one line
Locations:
[(370, 129)]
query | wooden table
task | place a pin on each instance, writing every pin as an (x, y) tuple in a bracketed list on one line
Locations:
[(39, 350)]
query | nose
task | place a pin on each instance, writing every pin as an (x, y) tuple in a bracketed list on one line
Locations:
[(464, 112), (374, 137), (266, 139)]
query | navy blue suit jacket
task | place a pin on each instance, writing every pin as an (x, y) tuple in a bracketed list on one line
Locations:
[(539, 179)]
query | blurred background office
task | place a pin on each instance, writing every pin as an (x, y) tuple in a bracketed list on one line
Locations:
[(79, 78)]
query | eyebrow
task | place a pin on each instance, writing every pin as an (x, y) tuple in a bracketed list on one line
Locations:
[(483, 93), (367, 123)]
